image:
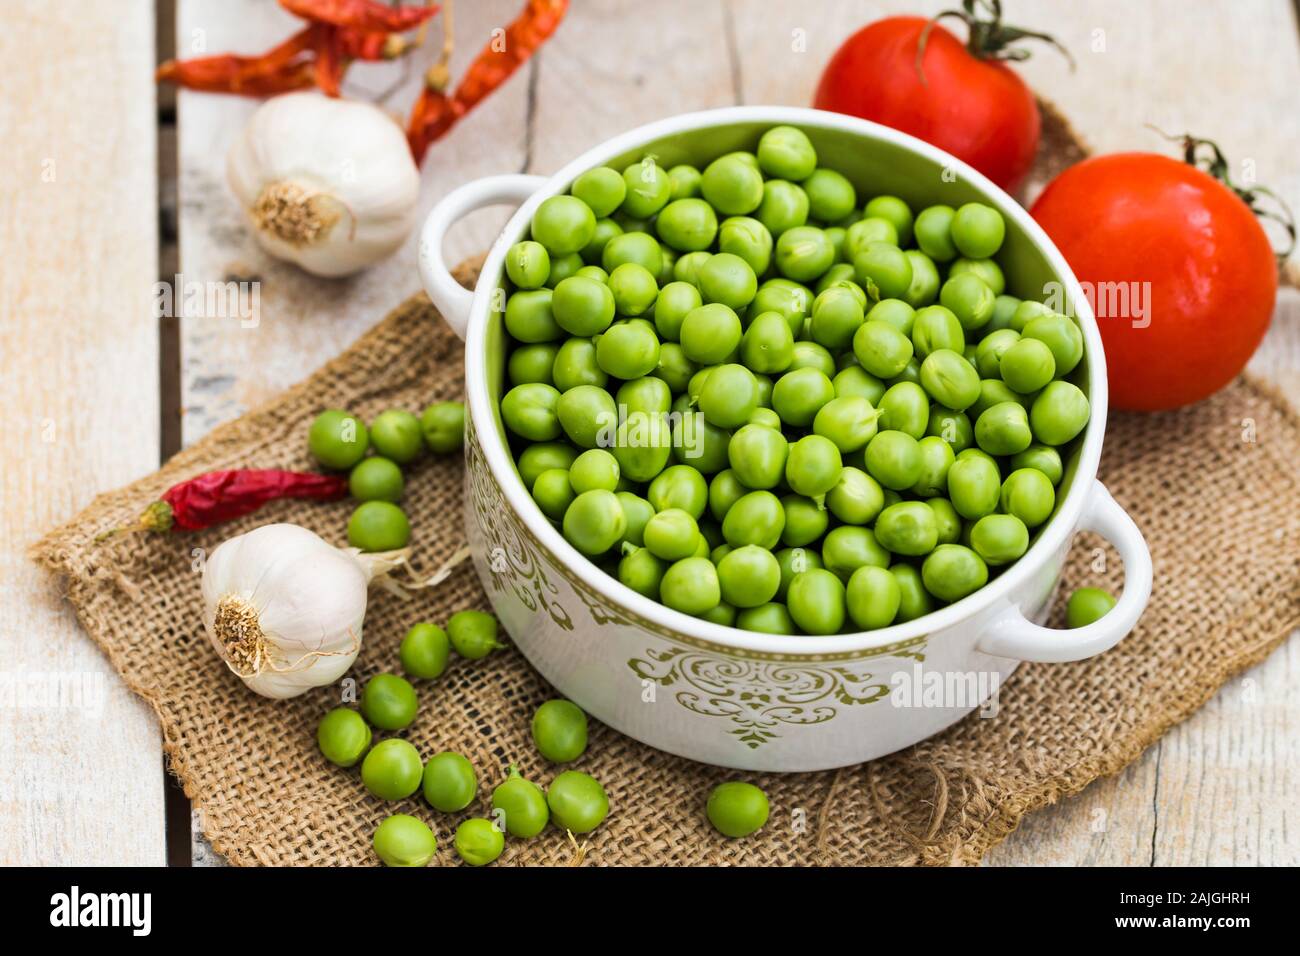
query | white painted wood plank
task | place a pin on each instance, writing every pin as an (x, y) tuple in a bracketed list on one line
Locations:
[(83, 781)]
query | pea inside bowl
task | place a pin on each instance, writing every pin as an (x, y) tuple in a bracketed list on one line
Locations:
[(775, 385)]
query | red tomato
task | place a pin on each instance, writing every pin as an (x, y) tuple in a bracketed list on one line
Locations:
[(978, 110), (1143, 218)]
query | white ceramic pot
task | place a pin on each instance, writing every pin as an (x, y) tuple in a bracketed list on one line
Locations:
[(736, 698)]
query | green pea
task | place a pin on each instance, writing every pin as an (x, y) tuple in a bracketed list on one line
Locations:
[(934, 233), (634, 289), (991, 348), (977, 230), (936, 458), (953, 571), (831, 196), (676, 299), (999, 539), (1086, 606), (974, 486), (893, 458), (389, 702), (813, 466), (642, 446), (337, 439), (994, 391), (1027, 365), (479, 842), (575, 364), (925, 280), (1003, 429), (805, 522), (1059, 413), (343, 736), (854, 381), (586, 413), (683, 182), (562, 267), (474, 633), (648, 188), (894, 312), (601, 188), (449, 782), (884, 267), (563, 224), (699, 443), (637, 247), (577, 801), (725, 489), (392, 769), (749, 239), (642, 572), (873, 597), (691, 586), (595, 468), (378, 526), (905, 407), (376, 479), (908, 528), (402, 840), (732, 186), (848, 547), (867, 230), (800, 394), (914, 600), (729, 396), (755, 518), (946, 519), (881, 348), (795, 561), (737, 809), (953, 427), (628, 350), (530, 411), (527, 364), (816, 601), (803, 253), (772, 618), (935, 327), (638, 512), (1004, 306), (1028, 494), (856, 499), (767, 345), (687, 225), (672, 534), (528, 264), (679, 486), (710, 333), (553, 493), (1042, 457), (969, 298), (687, 267), (748, 576), (786, 153), (424, 651), (522, 805), (849, 422), (544, 456), (784, 207), (443, 426), (757, 455), (727, 279), (836, 317), (809, 354), (560, 731), (395, 434)]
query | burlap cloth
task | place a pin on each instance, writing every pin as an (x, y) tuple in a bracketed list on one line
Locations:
[(1213, 487)]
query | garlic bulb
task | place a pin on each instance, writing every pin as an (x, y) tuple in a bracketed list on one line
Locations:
[(327, 183), (284, 608)]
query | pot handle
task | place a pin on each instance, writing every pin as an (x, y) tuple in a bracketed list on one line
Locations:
[(1011, 634), (449, 296)]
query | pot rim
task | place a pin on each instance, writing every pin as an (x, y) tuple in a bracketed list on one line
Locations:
[(1061, 527)]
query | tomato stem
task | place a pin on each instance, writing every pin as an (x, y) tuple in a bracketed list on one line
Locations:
[(988, 37), (1205, 155)]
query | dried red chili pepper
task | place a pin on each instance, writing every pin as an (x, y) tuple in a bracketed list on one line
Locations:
[(218, 496), (281, 69), (435, 112), (360, 14), (329, 60)]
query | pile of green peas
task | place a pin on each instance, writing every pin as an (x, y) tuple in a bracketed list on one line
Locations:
[(340, 441), (753, 398), (392, 769)]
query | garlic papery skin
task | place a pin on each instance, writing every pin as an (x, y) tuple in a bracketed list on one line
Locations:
[(328, 184), (284, 608)]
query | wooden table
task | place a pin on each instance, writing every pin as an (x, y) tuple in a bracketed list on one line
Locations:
[(95, 388)]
